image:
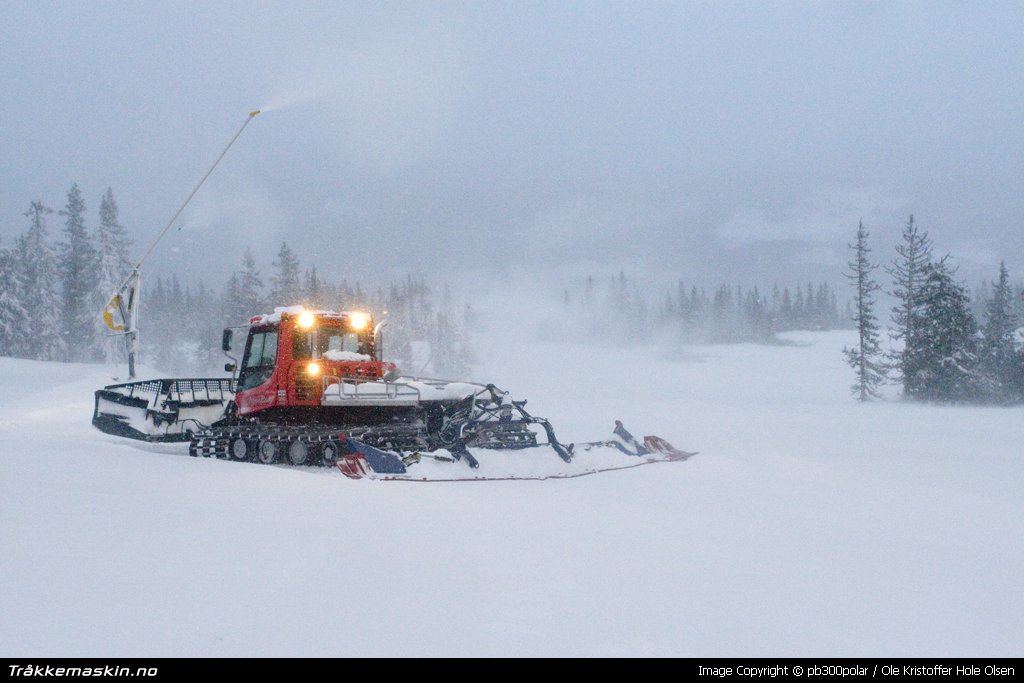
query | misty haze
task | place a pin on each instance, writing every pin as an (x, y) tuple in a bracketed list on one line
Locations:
[(758, 269)]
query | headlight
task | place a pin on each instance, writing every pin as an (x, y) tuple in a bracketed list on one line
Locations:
[(306, 320), (358, 321), (313, 369)]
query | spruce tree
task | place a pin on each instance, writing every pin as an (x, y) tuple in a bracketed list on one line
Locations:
[(229, 308), (314, 290), (998, 354), (13, 315), (807, 307), (285, 288), (1017, 373), (865, 359), (1017, 376), (786, 317), (206, 329), (942, 360), (113, 267), (757, 319), (176, 323), (157, 326), (41, 281), (78, 280), (799, 310), (243, 294), (823, 307), (907, 271)]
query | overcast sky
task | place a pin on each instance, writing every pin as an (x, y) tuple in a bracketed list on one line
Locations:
[(709, 141)]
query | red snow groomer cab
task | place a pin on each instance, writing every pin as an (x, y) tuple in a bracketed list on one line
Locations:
[(292, 356)]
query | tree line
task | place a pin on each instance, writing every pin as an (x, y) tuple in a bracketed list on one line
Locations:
[(53, 290), (616, 310), (942, 353), (426, 331)]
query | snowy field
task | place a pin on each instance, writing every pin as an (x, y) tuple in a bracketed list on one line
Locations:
[(808, 525)]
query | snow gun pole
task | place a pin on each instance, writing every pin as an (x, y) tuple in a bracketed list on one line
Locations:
[(192, 194), (128, 309)]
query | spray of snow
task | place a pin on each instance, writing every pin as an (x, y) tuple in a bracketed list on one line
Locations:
[(291, 98), (386, 99)]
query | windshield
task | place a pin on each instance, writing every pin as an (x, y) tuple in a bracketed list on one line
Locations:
[(338, 340), (327, 338)]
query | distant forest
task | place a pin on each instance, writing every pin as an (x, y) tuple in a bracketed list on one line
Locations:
[(427, 332), (616, 309), (53, 288), (52, 292)]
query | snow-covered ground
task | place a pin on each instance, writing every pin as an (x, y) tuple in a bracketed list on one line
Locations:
[(808, 525)]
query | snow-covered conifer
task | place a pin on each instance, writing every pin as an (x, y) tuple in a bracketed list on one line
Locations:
[(285, 287), (78, 273), (913, 256), (314, 291), (13, 316), (941, 363), (41, 281), (866, 357), (250, 287), (998, 353), (113, 267)]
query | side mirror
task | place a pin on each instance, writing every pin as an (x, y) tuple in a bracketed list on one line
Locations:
[(225, 341), (229, 367)]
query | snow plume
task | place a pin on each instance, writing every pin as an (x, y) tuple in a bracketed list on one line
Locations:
[(234, 211), (234, 201), (385, 98), (290, 97)]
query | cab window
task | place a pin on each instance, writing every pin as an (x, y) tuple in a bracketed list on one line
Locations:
[(260, 357)]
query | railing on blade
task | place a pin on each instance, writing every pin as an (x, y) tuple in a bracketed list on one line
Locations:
[(203, 389), (184, 390), (361, 389)]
